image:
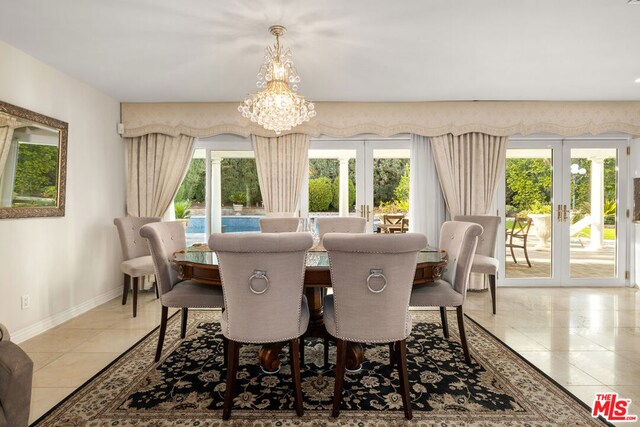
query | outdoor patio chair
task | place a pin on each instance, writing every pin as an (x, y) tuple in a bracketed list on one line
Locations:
[(262, 278), (485, 261), (165, 238), (372, 277), (459, 240), (137, 258), (517, 237)]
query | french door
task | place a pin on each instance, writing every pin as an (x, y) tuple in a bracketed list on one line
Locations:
[(564, 207), (375, 168)]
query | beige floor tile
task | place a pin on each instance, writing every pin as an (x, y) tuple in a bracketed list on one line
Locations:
[(42, 359), (561, 339), (607, 367), (94, 320), (72, 369), (587, 393), (57, 340), (43, 399), (557, 366), (111, 340)]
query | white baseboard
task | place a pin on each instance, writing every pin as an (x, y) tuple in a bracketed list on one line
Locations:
[(59, 318)]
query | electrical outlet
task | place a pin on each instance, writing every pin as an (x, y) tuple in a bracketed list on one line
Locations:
[(26, 302)]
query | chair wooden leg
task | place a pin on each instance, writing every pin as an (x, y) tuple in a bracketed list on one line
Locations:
[(392, 355), (163, 329), (492, 289), (526, 256), (463, 335), (183, 325), (445, 323), (294, 355), (403, 374), (125, 288), (135, 296), (301, 346), (155, 286), (225, 350), (341, 361), (513, 255), (326, 352), (232, 370)]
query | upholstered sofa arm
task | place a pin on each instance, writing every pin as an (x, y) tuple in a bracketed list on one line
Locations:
[(16, 372)]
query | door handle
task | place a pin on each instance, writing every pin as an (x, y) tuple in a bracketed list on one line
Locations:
[(368, 213), (559, 213), (566, 213)]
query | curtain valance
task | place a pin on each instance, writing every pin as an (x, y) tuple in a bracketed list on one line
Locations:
[(344, 119)]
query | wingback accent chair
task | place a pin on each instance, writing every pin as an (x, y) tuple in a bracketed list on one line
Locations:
[(262, 279), (279, 225), (340, 225), (16, 372), (459, 239), (372, 276), (165, 238), (485, 261), (137, 258)]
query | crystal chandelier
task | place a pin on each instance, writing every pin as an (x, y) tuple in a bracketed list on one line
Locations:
[(277, 106)]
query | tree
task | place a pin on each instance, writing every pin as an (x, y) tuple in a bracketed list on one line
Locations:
[(240, 176), (386, 177), (36, 170), (528, 180), (193, 187)]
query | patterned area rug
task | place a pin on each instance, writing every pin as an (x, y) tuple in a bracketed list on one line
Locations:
[(187, 387)]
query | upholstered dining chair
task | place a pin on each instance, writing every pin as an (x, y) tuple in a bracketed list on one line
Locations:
[(279, 225), (262, 279), (340, 225), (137, 258), (459, 239), (372, 276), (485, 261), (16, 373), (165, 238)]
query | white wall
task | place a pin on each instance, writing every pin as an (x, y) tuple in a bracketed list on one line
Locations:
[(67, 265)]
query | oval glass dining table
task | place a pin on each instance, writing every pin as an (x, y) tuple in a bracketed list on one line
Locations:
[(199, 264)]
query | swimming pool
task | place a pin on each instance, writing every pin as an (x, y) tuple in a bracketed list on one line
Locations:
[(230, 224)]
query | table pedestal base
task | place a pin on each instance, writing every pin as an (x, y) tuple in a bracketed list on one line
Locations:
[(269, 356)]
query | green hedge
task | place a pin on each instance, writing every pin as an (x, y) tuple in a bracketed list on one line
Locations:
[(335, 203), (320, 194)]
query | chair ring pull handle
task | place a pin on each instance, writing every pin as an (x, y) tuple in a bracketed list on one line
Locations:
[(258, 274), (376, 273)]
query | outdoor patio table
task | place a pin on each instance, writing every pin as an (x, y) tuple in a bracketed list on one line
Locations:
[(199, 264)]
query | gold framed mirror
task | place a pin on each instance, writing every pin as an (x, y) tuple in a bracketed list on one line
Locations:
[(33, 163)]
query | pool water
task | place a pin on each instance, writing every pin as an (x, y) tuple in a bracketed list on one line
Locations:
[(230, 224)]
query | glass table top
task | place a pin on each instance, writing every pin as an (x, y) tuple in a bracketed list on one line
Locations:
[(318, 259)]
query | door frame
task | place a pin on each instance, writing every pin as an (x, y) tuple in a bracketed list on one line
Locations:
[(560, 272), (364, 148)]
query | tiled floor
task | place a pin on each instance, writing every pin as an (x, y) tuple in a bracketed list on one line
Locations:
[(585, 262), (586, 339)]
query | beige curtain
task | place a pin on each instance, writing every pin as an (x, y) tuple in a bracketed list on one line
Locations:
[(469, 166), (281, 163), (156, 165)]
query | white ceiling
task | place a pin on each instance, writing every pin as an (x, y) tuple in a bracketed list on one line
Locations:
[(345, 50)]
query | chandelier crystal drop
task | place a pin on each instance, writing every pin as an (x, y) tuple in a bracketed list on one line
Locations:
[(277, 106)]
